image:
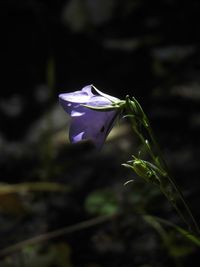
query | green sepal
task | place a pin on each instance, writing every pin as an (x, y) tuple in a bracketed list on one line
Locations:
[(145, 169), (109, 97), (117, 105)]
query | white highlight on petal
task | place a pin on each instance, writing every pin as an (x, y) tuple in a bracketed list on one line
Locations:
[(76, 113), (76, 97), (78, 137)]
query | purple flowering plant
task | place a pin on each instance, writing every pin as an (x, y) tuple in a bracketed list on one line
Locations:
[(93, 114)]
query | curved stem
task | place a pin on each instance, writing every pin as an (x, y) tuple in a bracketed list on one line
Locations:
[(139, 118), (174, 184)]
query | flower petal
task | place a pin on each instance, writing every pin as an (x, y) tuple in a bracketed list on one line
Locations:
[(75, 97), (98, 101), (77, 138), (76, 113), (89, 124), (93, 126), (88, 89)]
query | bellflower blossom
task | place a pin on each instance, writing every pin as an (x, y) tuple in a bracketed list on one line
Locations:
[(88, 123)]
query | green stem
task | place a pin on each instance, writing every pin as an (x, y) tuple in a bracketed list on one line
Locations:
[(138, 118), (174, 184)]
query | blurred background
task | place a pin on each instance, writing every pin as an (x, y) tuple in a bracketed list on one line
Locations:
[(148, 49)]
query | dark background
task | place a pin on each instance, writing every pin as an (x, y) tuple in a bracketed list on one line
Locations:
[(148, 49)]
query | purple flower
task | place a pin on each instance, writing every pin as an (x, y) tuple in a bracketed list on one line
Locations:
[(87, 123)]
